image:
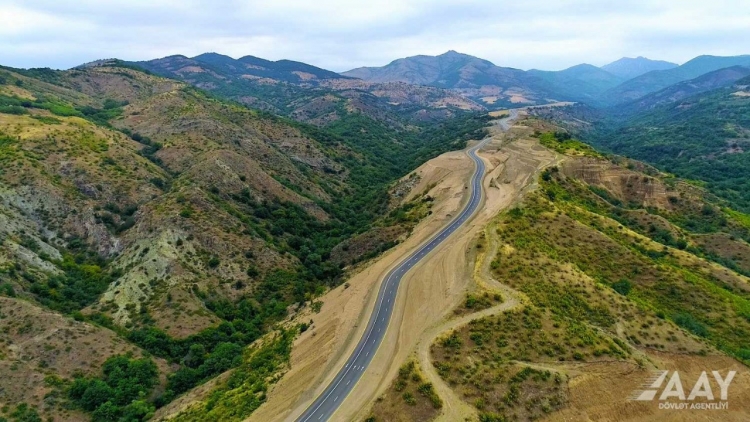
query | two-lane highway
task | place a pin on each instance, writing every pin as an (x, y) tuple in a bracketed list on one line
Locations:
[(328, 402)]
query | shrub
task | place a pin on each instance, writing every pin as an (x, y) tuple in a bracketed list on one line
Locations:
[(688, 322), (409, 398), (622, 287), (24, 413)]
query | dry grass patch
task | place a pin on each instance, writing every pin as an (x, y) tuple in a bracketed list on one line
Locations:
[(409, 399)]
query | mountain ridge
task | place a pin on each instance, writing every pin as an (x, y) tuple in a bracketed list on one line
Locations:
[(659, 79), (629, 67), (307, 93), (479, 79), (682, 90)]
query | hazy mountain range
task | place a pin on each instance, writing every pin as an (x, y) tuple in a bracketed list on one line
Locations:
[(493, 86), (430, 87)]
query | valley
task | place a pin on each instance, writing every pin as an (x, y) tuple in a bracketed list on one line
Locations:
[(437, 239)]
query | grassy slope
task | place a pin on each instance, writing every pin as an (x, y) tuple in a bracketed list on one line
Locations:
[(612, 261)]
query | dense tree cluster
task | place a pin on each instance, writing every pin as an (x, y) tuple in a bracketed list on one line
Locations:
[(121, 393)]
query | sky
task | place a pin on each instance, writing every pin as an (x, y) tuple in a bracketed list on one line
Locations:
[(343, 34)]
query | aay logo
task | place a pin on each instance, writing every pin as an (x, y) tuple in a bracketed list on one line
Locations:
[(674, 389)]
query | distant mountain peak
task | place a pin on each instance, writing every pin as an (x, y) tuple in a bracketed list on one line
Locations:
[(629, 67), (454, 53)]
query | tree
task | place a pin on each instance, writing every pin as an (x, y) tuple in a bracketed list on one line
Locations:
[(138, 410), (124, 382), (107, 412), (195, 357), (96, 394)]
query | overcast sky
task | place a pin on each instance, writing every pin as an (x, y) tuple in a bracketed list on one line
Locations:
[(343, 34)]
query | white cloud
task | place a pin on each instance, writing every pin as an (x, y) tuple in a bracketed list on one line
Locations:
[(338, 34)]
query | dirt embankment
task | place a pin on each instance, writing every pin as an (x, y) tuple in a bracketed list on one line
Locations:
[(428, 293)]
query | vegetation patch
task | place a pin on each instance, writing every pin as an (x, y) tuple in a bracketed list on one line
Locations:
[(480, 361), (477, 301), (121, 393), (409, 398), (245, 390), (566, 230), (564, 143), (703, 137)]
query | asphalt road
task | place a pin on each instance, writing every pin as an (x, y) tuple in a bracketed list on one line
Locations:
[(328, 402)]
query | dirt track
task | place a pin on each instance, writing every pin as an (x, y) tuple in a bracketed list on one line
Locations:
[(428, 294)]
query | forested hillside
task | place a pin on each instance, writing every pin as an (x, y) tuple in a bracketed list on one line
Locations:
[(176, 225), (705, 138)]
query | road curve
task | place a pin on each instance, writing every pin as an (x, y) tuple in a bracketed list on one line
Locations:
[(328, 402)]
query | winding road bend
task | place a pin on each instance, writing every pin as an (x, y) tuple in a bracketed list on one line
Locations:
[(328, 402)]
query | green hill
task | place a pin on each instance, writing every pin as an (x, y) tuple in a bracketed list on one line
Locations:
[(180, 223), (617, 269), (704, 137)]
